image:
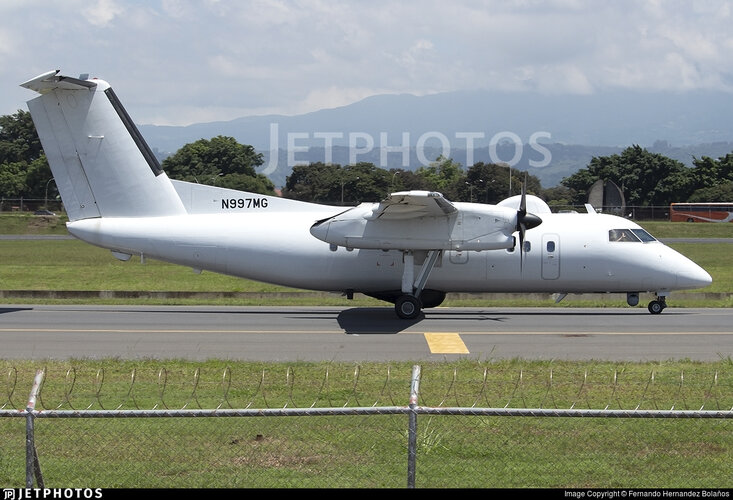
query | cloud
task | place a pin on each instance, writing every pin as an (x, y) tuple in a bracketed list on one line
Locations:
[(187, 60), (101, 12)]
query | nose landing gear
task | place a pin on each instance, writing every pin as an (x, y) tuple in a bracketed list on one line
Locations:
[(657, 306)]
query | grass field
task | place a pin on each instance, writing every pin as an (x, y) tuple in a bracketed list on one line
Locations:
[(369, 452)]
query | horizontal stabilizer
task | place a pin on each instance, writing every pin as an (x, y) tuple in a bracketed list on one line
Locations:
[(52, 80)]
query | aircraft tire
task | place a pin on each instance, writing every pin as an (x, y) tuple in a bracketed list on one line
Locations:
[(655, 307), (408, 306)]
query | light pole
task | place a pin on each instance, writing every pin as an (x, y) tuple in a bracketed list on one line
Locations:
[(342, 188), (510, 175), (391, 188), (510, 179), (45, 200), (470, 190)]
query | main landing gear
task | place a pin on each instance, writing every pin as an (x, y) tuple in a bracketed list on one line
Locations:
[(408, 305)]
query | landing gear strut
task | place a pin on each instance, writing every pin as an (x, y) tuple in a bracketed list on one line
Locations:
[(408, 305), (657, 306)]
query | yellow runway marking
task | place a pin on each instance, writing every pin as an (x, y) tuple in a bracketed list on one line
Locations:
[(446, 343)]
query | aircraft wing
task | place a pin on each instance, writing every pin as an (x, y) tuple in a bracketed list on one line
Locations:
[(412, 204), (419, 220)]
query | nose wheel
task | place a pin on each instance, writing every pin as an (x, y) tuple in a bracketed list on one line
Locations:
[(657, 306)]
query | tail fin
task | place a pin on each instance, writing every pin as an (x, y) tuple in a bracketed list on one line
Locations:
[(100, 161)]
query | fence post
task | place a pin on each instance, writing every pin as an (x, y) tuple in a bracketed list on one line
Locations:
[(412, 427), (32, 465)]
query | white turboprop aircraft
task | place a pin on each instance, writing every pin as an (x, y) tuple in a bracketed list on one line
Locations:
[(410, 249)]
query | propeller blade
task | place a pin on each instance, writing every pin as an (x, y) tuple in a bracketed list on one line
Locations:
[(521, 247), (521, 214), (524, 221)]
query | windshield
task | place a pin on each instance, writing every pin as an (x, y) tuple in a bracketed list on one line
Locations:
[(643, 235), (621, 235), (635, 235)]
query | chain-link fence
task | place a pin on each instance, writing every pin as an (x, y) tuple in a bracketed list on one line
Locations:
[(687, 445), (30, 205)]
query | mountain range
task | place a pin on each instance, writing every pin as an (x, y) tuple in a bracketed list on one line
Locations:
[(552, 136)]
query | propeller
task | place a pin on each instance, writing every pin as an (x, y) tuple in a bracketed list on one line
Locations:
[(525, 220)]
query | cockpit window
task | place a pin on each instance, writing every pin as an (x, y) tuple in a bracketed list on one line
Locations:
[(622, 235), (643, 235)]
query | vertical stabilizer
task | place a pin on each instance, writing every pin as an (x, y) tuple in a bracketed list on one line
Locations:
[(100, 162)]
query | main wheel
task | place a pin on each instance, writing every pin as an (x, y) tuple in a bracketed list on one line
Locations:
[(407, 306), (655, 307)]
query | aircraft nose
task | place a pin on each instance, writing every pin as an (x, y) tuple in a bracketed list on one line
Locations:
[(693, 276)]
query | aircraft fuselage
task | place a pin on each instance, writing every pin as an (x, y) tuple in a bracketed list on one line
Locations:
[(568, 253)]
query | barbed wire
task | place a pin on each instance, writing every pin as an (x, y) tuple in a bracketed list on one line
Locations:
[(546, 395)]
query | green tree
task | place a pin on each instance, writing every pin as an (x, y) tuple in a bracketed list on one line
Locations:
[(645, 178), (446, 176), (558, 197), (722, 192), (490, 183), (18, 138), (407, 180), (341, 185), (24, 171), (220, 161), (316, 182), (706, 172), (12, 179), (367, 183), (364, 182), (712, 178)]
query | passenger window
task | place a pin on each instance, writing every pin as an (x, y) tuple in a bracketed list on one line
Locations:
[(550, 246)]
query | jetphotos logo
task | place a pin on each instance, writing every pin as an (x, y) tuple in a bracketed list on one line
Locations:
[(303, 148)]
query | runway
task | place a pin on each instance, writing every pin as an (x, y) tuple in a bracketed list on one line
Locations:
[(288, 334)]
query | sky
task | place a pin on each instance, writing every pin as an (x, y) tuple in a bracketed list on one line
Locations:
[(177, 62)]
